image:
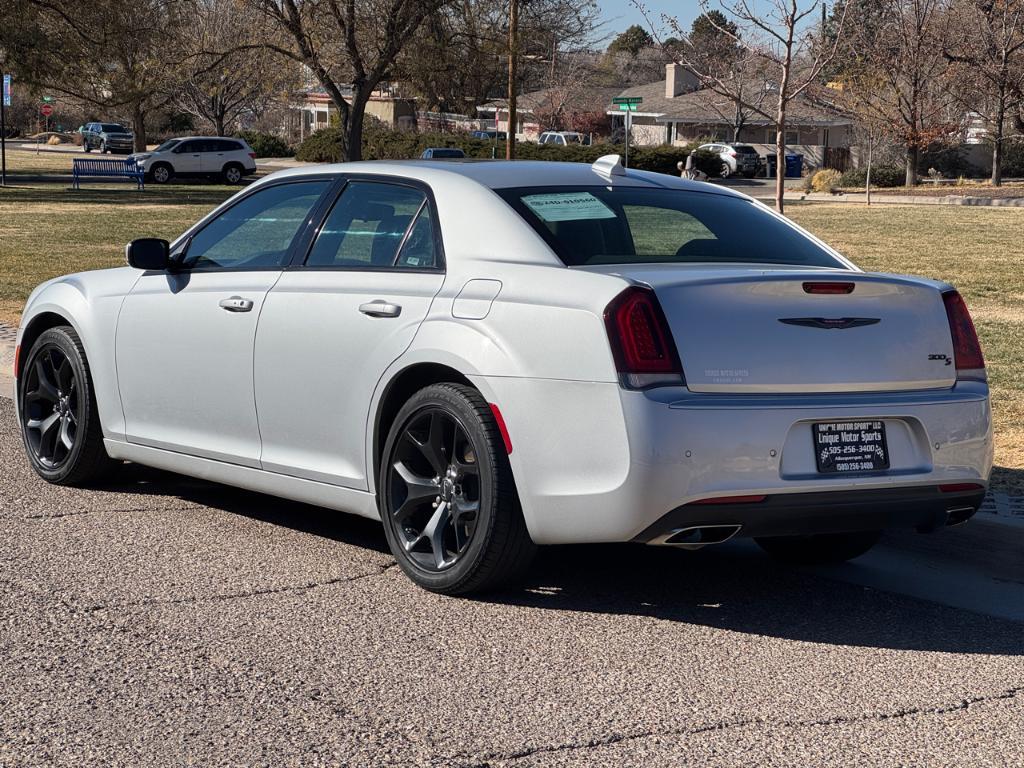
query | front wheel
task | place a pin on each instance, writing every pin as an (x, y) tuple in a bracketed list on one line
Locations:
[(161, 173), (60, 423), (447, 498), (819, 549), (103, 147)]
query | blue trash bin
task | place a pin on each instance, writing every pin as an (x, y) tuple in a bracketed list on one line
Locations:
[(794, 166)]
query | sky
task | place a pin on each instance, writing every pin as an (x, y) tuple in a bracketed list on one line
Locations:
[(619, 14)]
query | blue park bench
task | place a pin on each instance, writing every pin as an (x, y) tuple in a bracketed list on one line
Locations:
[(86, 167)]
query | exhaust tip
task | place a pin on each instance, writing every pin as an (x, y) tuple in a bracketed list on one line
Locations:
[(697, 536), (959, 515)]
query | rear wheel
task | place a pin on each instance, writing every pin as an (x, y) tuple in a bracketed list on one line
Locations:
[(59, 420), (819, 549), (724, 171), (232, 173), (447, 498)]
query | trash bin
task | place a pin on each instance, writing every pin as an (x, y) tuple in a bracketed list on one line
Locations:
[(769, 165), (794, 166)]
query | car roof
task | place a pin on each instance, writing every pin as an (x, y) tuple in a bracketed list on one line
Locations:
[(503, 174)]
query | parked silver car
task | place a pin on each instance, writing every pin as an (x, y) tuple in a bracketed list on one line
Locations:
[(491, 356)]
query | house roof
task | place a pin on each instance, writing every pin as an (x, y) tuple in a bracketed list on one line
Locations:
[(707, 107)]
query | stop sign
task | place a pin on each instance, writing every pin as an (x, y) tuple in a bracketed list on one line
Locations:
[(46, 109)]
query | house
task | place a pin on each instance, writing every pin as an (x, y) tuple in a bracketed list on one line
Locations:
[(535, 110), (677, 111), (312, 109)]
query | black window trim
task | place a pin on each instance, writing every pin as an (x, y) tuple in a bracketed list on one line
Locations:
[(301, 254), (315, 215)]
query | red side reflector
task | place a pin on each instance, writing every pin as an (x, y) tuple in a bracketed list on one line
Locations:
[(731, 500), (957, 487), (502, 428), (966, 347), (17, 360), (829, 287)]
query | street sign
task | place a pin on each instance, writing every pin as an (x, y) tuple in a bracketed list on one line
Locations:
[(7, 90), (628, 100), (48, 99), (46, 110), (627, 107)]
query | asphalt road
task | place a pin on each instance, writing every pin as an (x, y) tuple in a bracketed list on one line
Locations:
[(165, 622)]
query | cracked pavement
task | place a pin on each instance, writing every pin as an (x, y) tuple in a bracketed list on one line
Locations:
[(165, 621)]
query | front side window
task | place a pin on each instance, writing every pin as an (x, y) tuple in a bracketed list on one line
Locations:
[(630, 225), (257, 232), (168, 145), (368, 224)]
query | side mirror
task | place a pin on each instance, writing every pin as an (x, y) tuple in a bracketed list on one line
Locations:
[(149, 253)]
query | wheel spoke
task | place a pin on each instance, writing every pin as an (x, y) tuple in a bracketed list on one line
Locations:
[(418, 490), (434, 533), (64, 375), (65, 433), (433, 447), (44, 387)]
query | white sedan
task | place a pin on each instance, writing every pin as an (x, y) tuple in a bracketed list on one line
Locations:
[(493, 356)]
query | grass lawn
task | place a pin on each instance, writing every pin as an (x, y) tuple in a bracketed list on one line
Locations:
[(48, 230), (23, 162)]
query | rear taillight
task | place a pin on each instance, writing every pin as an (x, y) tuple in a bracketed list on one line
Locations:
[(970, 364), (835, 288), (645, 354), (252, 155)]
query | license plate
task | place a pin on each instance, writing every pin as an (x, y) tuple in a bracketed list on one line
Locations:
[(850, 446)]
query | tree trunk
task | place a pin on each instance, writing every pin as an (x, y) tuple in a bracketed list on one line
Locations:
[(913, 153), (780, 157), (355, 122), (867, 176), (513, 62), (139, 128), (997, 147)]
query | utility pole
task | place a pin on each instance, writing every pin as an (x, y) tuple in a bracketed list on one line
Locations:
[(513, 60)]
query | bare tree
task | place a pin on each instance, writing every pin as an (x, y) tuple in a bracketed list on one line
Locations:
[(347, 45), (896, 73), (990, 48), (792, 59), (118, 57)]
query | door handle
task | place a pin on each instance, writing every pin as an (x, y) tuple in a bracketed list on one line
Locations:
[(380, 308), (236, 304)]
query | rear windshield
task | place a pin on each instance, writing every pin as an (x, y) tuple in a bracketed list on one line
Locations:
[(745, 150), (628, 225), (442, 153)]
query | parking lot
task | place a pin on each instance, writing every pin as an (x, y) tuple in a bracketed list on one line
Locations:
[(165, 621)]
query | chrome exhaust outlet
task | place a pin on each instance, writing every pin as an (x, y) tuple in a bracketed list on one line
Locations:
[(697, 536), (959, 515)]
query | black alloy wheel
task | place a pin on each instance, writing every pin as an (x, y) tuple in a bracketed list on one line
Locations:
[(52, 407), (447, 498), (59, 419)]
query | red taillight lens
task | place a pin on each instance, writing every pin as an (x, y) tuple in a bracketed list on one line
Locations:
[(960, 487), (252, 155), (640, 338), (829, 287), (966, 348)]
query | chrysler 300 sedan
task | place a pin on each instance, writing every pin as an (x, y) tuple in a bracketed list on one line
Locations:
[(492, 356)]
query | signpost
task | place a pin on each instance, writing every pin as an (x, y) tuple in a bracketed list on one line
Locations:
[(4, 103), (628, 104), (46, 110)]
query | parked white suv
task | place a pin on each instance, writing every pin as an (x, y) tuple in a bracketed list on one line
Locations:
[(736, 158), (192, 156), (563, 138)]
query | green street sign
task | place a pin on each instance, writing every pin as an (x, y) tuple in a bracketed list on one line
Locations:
[(627, 107), (48, 99), (627, 100)]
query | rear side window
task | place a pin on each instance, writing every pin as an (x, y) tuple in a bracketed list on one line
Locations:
[(629, 225), (368, 224), (257, 232)]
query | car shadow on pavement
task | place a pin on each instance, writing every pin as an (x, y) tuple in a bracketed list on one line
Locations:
[(732, 586), (735, 587)]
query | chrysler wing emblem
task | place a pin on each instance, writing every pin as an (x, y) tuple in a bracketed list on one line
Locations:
[(836, 323)]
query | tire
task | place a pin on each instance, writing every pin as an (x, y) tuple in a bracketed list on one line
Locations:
[(58, 407), (444, 452), (820, 549), (85, 145), (725, 171), (103, 148), (232, 173), (161, 173)]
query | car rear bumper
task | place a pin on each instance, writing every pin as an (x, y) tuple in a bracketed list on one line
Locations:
[(595, 463)]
